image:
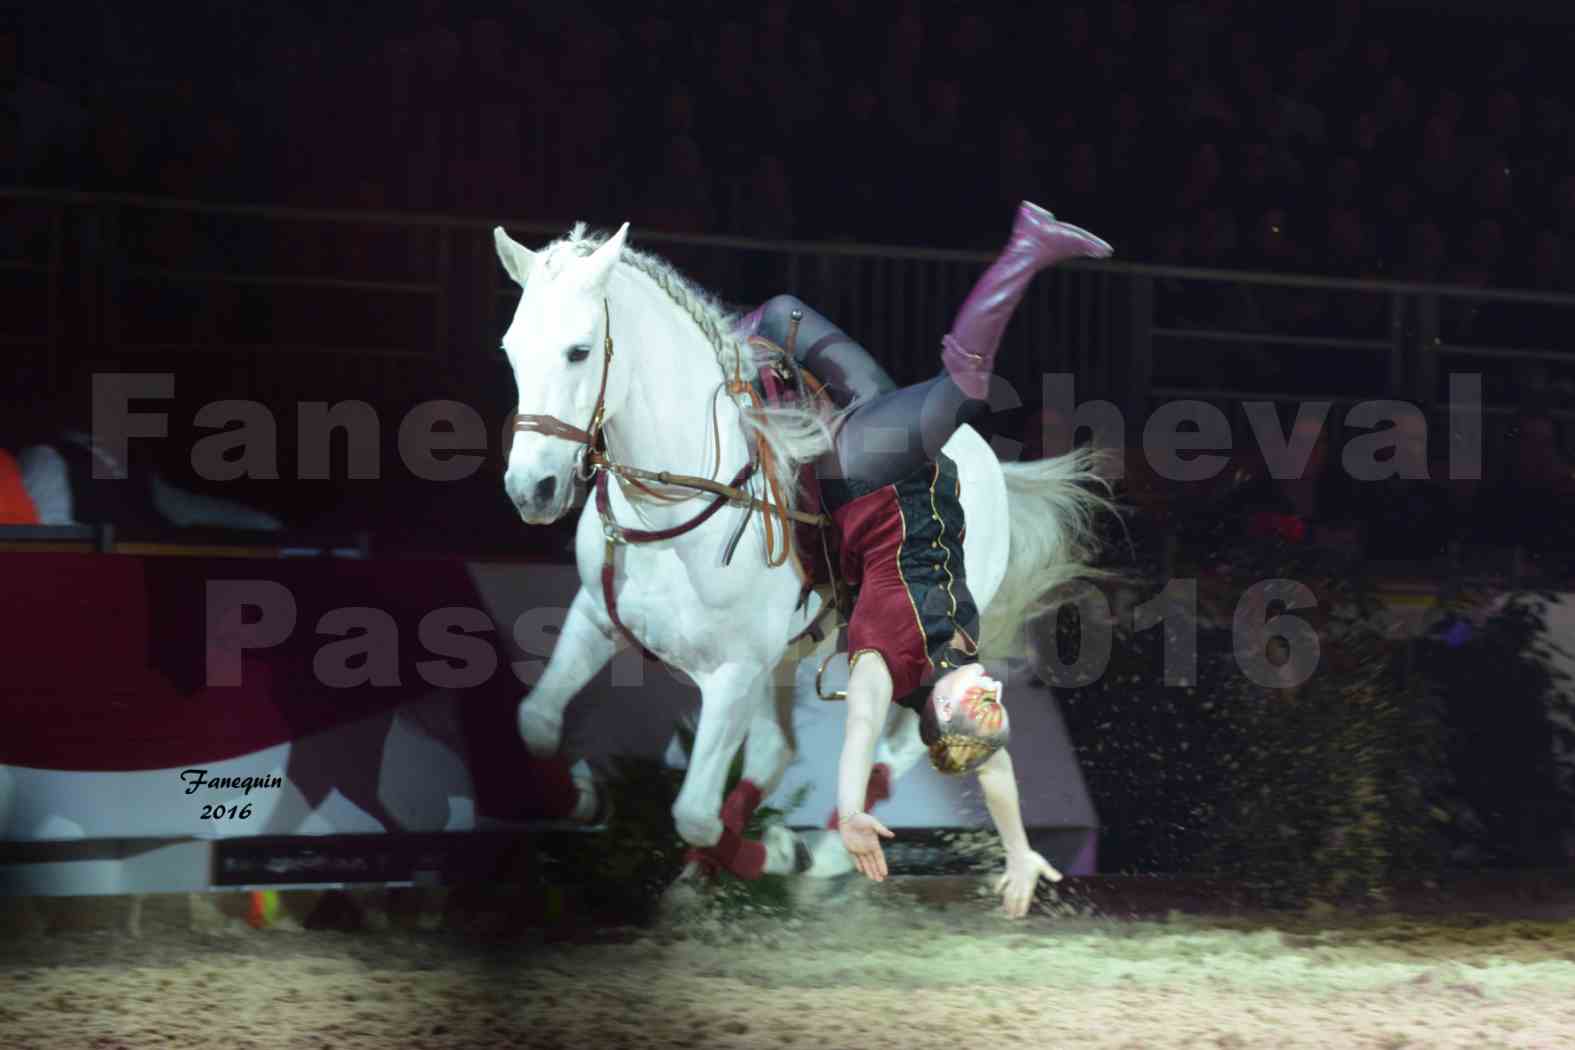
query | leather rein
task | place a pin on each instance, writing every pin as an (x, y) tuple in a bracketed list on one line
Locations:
[(594, 463)]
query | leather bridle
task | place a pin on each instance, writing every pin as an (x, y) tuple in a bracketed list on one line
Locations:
[(591, 435), (594, 463)]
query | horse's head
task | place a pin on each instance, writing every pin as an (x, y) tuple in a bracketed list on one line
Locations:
[(555, 346)]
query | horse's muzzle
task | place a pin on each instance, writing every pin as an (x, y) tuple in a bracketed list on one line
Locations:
[(539, 502)]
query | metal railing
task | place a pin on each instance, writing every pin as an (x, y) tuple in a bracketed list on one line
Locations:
[(1421, 335), (391, 297)]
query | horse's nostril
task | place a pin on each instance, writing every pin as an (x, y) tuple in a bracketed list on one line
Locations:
[(545, 488)]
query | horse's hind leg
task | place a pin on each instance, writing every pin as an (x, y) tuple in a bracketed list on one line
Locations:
[(584, 647)]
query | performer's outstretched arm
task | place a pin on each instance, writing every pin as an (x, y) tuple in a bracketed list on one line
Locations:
[(869, 702), (1024, 867)]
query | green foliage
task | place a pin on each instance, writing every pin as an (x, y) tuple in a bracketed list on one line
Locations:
[(626, 869), (1158, 759), (1185, 774), (1343, 784), (1343, 777), (1396, 758), (770, 893), (1509, 709)]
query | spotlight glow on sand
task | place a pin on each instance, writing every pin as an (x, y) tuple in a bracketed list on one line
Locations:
[(863, 968)]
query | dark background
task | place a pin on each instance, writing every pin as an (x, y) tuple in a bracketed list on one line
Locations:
[(1357, 140)]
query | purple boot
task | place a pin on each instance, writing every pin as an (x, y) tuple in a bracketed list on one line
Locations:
[(1038, 241)]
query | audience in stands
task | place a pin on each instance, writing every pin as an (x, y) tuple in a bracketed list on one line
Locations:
[(1531, 504), (1317, 500), (1216, 134), (1410, 517), (1131, 124)]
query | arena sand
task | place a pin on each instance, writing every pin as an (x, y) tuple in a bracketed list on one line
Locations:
[(861, 966)]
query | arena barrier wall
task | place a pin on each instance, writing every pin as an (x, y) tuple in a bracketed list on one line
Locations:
[(109, 710)]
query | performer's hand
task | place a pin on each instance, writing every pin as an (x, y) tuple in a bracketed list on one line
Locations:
[(861, 835), (1017, 886)]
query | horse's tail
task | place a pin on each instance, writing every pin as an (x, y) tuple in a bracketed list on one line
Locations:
[(1053, 510)]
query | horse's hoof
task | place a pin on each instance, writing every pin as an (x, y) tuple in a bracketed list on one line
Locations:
[(594, 807), (829, 858), (688, 891), (803, 859), (542, 735), (786, 853)]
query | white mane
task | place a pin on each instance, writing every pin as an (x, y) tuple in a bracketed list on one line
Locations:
[(795, 436)]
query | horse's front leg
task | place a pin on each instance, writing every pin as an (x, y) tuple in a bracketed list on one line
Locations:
[(768, 751), (585, 645), (730, 699)]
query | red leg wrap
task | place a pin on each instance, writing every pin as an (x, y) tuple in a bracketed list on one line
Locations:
[(745, 858), (550, 788), (733, 853), (880, 786), (741, 804), (708, 865)]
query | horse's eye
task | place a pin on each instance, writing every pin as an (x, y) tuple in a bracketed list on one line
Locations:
[(578, 354)]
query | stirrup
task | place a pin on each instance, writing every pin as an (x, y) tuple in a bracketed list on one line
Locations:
[(840, 694)]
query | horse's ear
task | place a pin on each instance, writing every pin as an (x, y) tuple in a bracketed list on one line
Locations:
[(595, 268), (517, 259)]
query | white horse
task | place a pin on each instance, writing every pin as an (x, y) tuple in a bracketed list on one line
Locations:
[(607, 336)]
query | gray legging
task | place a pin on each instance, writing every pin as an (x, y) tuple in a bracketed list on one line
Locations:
[(890, 432)]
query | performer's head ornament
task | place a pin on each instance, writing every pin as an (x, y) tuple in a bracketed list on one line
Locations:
[(964, 722)]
